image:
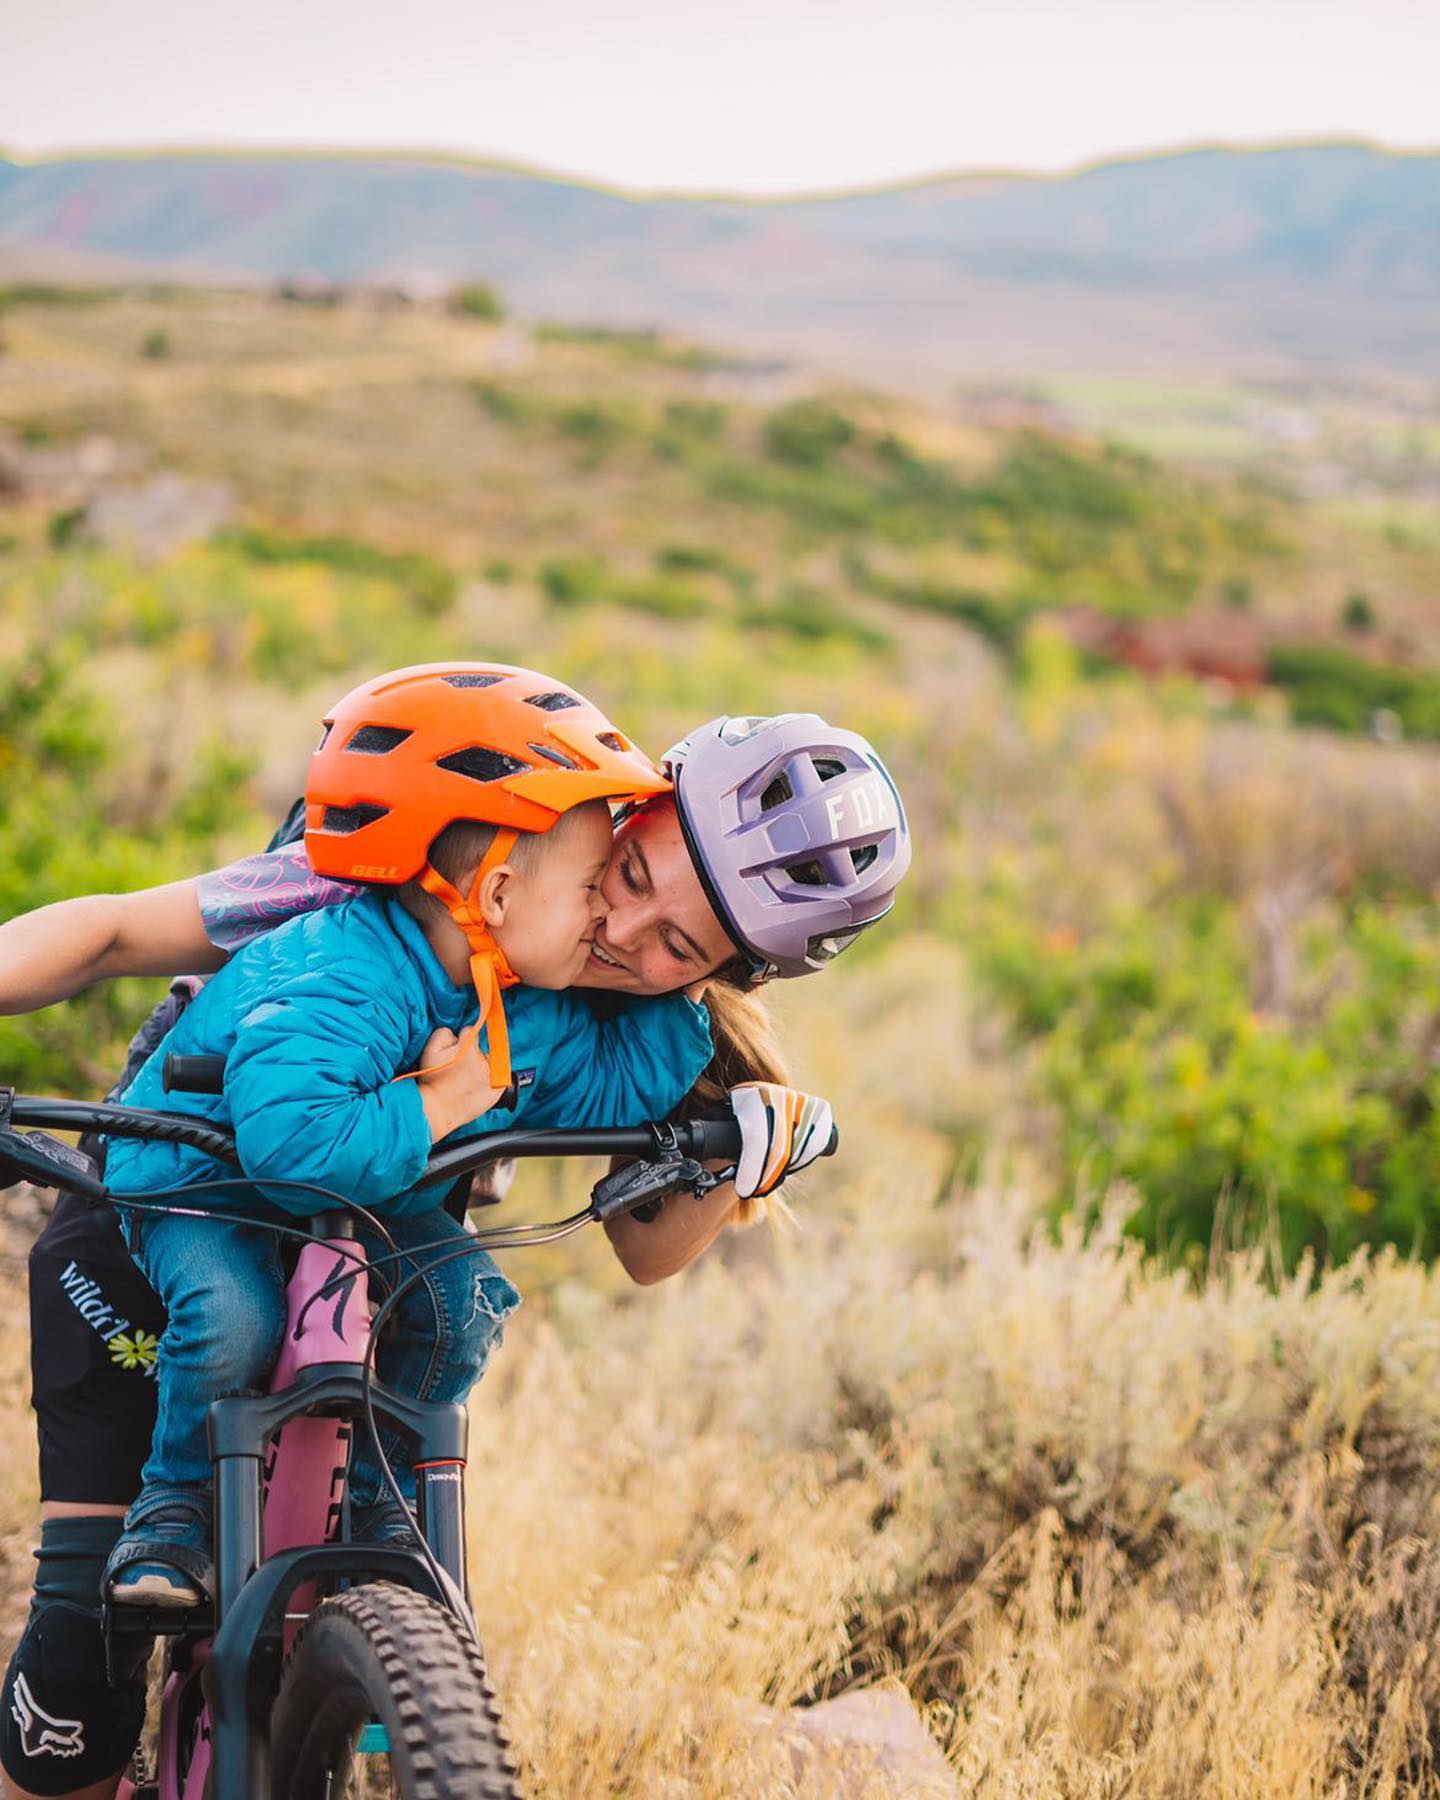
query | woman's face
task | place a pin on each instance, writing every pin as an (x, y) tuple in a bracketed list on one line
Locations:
[(660, 932)]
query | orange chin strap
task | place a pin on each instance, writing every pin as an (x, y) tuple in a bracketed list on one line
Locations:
[(489, 970)]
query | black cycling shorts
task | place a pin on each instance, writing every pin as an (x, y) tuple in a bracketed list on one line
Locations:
[(95, 1327)]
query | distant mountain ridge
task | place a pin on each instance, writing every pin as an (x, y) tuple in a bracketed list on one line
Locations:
[(1287, 260)]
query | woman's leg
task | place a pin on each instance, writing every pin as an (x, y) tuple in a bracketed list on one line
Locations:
[(443, 1334), (94, 1323)]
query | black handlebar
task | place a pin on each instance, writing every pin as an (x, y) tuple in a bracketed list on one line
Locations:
[(706, 1140), (52, 1164), (714, 1140)]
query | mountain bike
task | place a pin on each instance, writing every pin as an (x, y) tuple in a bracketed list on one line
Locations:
[(327, 1667)]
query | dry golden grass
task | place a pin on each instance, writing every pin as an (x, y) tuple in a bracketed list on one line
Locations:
[(1117, 1534)]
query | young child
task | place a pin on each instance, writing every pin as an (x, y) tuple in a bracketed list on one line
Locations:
[(473, 798)]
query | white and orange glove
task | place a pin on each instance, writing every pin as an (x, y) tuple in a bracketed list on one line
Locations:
[(781, 1130)]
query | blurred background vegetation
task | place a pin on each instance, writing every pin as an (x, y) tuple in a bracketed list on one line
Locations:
[(1095, 1400), (1161, 722)]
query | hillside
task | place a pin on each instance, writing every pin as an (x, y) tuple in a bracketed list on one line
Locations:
[(1318, 259)]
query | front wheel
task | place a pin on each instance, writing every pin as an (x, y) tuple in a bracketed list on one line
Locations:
[(385, 1694)]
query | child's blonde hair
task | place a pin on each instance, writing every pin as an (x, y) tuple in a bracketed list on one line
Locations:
[(458, 851)]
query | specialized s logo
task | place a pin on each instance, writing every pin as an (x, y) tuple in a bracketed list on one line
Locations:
[(40, 1735)]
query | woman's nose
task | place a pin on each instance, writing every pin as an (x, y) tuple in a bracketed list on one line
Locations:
[(624, 926)]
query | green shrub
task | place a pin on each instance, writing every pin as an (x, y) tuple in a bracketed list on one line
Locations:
[(631, 346), (61, 755), (664, 598), (574, 580), (424, 580), (1146, 1044), (1332, 687), (808, 433), (504, 403), (810, 615), (1358, 613), (705, 421), (43, 293), (703, 559), (66, 526), (1237, 591), (823, 500), (156, 346), (478, 300), (1001, 622), (596, 425)]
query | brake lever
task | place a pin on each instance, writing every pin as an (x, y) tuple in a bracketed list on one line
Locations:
[(33, 1156), (642, 1183)]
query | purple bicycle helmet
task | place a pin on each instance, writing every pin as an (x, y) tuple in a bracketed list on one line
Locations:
[(797, 832)]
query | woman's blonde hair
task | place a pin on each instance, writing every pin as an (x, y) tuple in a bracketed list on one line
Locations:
[(746, 1049)]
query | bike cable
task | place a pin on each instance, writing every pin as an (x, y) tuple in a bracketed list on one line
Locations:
[(155, 1203), (501, 1238)]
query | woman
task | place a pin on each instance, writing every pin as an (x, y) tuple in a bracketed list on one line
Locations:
[(784, 839)]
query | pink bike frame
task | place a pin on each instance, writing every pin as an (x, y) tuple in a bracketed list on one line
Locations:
[(304, 1477)]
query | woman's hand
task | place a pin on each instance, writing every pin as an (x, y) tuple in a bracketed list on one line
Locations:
[(454, 1081), (781, 1130)]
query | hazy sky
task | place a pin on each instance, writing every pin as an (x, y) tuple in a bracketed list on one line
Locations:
[(751, 95)]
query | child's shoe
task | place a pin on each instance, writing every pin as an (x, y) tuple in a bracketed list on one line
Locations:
[(163, 1557), (384, 1521)]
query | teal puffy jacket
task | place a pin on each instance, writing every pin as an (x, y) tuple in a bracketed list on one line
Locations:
[(315, 1018)]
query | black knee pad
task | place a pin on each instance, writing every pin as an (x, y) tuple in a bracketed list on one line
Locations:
[(64, 1725)]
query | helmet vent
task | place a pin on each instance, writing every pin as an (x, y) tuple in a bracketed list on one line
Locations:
[(778, 792), (556, 702), (828, 767), (325, 731), (345, 819), (376, 740), (473, 681), (612, 740), (481, 764), (555, 756), (808, 874), (827, 946), (864, 856)]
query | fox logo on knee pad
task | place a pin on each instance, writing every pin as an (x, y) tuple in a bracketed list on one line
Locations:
[(41, 1735)]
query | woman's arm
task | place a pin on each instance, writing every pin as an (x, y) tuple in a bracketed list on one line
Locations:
[(683, 1229), (57, 951)]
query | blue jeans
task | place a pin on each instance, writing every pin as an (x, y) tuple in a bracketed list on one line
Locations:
[(224, 1289)]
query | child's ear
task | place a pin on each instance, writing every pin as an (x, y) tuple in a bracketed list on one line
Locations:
[(494, 895)]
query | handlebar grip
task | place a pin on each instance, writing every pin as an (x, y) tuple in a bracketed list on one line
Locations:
[(719, 1139), (193, 1074), (715, 1140)]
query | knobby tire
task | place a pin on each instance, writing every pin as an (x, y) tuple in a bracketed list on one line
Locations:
[(384, 1653)]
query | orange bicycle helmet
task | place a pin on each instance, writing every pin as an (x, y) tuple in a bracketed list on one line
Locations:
[(411, 752)]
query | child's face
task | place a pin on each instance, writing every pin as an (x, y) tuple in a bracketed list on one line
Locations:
[(554, 901)]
